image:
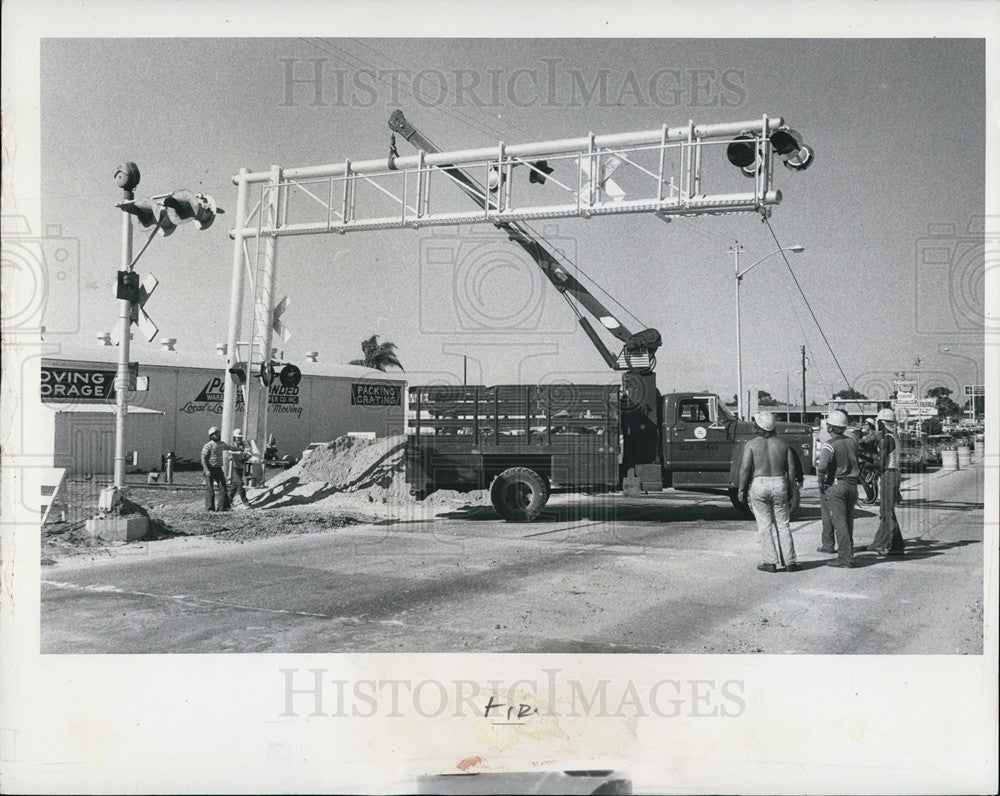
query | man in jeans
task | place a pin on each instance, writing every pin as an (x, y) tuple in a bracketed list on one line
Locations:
[(769, 461), (888, 539), (837, 472)]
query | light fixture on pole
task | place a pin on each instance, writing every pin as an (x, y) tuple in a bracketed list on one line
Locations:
[(736, 249)]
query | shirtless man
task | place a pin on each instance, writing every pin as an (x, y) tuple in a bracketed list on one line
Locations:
[(770, 463)]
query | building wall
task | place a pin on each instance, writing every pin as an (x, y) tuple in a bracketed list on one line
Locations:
[(85, 441), (318, 410)]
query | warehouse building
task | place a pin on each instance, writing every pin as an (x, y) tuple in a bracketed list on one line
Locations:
[(184, 399)]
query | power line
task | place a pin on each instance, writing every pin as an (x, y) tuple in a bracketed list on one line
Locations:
[(806, 300)]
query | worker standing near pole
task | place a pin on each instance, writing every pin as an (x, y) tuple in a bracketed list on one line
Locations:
[(211, 465), (767, 473), (888, 540), (837, 473), (237, 462)]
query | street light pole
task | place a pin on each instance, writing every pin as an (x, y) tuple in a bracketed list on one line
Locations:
[(736, 249)]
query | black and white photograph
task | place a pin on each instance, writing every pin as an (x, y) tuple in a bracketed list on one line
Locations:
[(558, 398)]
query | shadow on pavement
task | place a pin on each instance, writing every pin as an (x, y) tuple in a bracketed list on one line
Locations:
[(944, 505), (653, 511)]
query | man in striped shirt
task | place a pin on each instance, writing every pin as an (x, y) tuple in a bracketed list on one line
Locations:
[(211, 465)]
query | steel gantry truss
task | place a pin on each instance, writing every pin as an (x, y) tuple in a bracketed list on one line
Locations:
[(670, 171)]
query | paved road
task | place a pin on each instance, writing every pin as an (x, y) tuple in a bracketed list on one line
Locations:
[(675, 573)]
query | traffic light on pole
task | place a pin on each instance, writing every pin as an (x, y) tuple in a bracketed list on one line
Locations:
[(540, 169), (186, 205), (149, 213), (290, 376), (239, 372), (794, 154), (743, 153)]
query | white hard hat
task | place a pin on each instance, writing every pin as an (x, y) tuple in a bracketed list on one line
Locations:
[(837, 418), (765, 420), (886, 415), (237, 432), (213, 431)]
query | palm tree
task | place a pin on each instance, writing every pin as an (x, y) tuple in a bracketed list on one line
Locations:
[(378, 355)]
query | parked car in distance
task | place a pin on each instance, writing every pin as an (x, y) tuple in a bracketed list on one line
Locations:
[(937, 443), (913, 452)]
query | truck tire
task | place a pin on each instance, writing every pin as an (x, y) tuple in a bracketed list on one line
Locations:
[(519, 494), (747, 513)]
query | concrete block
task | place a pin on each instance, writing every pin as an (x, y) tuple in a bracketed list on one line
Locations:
[(118, 529)]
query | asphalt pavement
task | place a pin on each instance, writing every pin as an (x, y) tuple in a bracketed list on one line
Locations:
[(670, 573)]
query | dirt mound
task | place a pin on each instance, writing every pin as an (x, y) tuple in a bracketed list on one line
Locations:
[(351, 471), (349, 464)]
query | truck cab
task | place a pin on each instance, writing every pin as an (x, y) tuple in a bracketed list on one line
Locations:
[(702, 443)]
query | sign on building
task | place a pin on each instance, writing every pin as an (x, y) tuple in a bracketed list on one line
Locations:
[(77, 385), (372, 394)]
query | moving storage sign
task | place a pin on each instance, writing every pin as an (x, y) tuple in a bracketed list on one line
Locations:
[(85, 385), (370, 394)]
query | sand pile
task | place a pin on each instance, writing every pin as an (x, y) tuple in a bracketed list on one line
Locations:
[(349, 464), (351, 472)]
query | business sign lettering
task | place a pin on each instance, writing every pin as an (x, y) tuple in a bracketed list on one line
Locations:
[(281, 400), (370, 394), (77, 385)]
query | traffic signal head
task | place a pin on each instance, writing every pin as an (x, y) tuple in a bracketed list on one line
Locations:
[(290, 376), (744, 153), (239, 372), (149, 212), (127, 176), (794, 154), (189, 206), (540, 169), (127, 286), (741, 151)]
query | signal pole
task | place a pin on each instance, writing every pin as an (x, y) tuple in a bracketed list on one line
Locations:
[(121, 379)]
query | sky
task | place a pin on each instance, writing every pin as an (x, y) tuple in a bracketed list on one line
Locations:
[(897, 127)]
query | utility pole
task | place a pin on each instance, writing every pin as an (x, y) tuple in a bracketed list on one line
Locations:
[(788, 396), (803, 418)]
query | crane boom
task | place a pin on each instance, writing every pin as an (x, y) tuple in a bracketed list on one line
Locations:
[(639, 349)]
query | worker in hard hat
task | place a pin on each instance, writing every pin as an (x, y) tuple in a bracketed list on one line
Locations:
[(837, 472), (237, 462), (767, 475), (829, 539), (888, 539), (211, 465)]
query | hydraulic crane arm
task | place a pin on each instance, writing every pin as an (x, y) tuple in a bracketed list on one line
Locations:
[(639, 347)]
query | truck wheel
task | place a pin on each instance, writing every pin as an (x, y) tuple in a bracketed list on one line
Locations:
[(519, 494), (743, 508)]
